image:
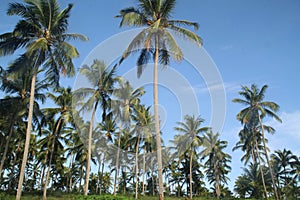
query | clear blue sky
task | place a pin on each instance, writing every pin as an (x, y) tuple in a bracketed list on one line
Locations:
[(250, 41)]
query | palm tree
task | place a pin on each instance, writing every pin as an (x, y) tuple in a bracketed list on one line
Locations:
[(102, 82), (191, 139), (253, 114), (14, 107), (284, 161), (42, 31), (156, 41), (250, 182), (216, 164), (143, 127), (127, 98), (64, 114)]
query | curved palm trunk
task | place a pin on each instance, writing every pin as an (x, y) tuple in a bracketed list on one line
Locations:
[(117, 159), (156, 118), (28, 133), (191, 175), (261, 170), (137, 168), (89, 152), (267, 157), (50, 159), (6, 148)]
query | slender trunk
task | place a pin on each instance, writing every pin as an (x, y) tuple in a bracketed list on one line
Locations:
[(80, 178), (43, 174), (267, 157), (28, 133), (99, 174), (261, 170), (191, 175), (6, 147), (71, 169), (152, 177), (12, 174), (144, 169), (217, 185), (102, 171), (157, 126), (117, 159), (51, 157), (137, 167), (89, 152)]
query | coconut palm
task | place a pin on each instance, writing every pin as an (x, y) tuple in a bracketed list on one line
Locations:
[(143, 128), (250, 142), (63, 113), (191, 140), (217, 160), (252, 116), (14, 106), (102, 82), (156, 41), (42, 31), (127, 97), (283, 161)]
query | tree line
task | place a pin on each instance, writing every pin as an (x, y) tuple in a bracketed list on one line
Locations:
[(53, 149)]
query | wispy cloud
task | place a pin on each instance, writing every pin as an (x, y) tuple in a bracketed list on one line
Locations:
[(287, 133), (213, 87)]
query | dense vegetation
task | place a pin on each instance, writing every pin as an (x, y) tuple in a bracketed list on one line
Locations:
[(60, 150)]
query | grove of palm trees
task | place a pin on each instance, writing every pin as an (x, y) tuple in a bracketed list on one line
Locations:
[(106, 139)]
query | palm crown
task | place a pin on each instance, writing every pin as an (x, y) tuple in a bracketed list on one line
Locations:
[(155, 16)]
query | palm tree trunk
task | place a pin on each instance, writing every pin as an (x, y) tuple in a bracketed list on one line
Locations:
[(156, 118), (12, 174), (267, 158), (137, 167), (217, 186), (191, 175), (80, 178), (6, 148), (28, 133), (117, 158), (144, 169), (102, 171), (43, 173), (70, 175), (50, 159), (89, 149), (261, 170)]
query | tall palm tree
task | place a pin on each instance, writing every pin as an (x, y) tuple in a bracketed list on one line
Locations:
[(142, 129), (217, 163), (256, 109), (64, 113), (102, 82), (15, 106), (42, 31), (127, 98), (156, 41), (191, 128), (250, 142)]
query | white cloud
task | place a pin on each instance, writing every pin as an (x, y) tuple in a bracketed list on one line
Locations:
[(287, 133), (203, 89)]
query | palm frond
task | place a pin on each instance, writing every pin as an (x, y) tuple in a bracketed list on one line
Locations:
[(187, 34), (184, 23)]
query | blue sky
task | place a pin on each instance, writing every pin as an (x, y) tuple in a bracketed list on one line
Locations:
[(250, 41)]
